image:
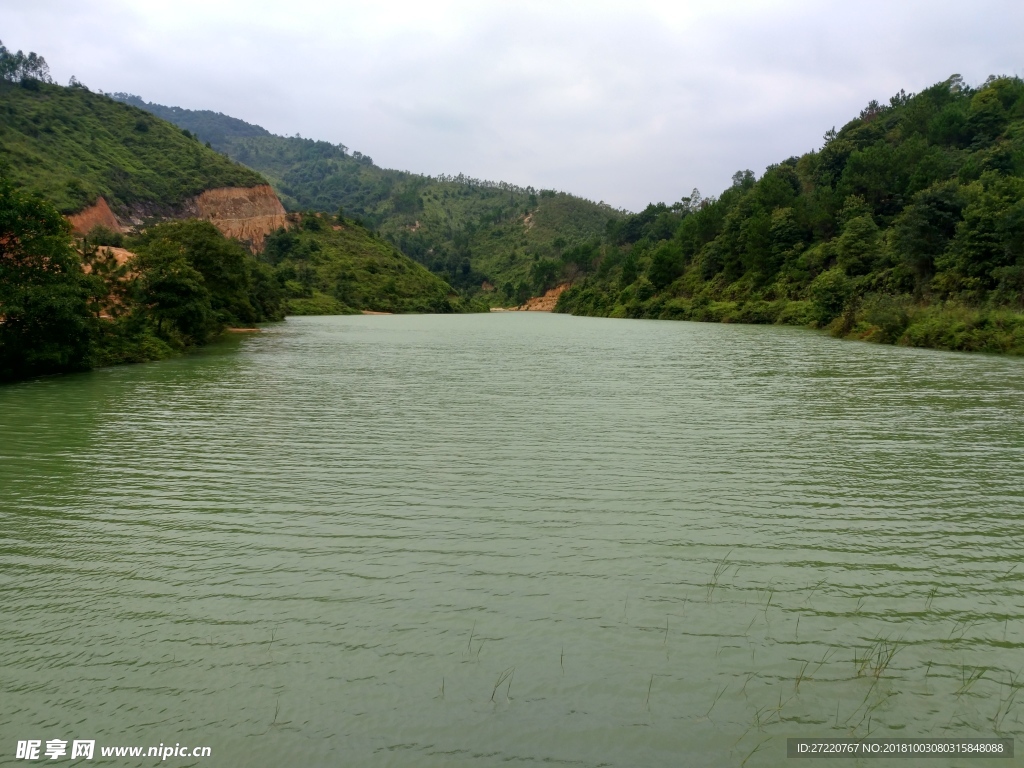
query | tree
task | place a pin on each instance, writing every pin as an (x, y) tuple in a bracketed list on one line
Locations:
[(174, 294), (630, 271), (18, 66), (544, 274), (990, 235), (224, 265), (925, 228), (858, 246), (743, 179), (829, 293), (666, 264), (45, 323)]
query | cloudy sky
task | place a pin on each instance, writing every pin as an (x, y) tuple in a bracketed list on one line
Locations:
[(615, 101)]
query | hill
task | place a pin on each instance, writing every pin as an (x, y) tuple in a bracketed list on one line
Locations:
[(906, 227), (333, 265), (70, 304), (481, 236), (73, 146)]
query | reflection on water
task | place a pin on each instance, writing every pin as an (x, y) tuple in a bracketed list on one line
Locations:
[(513, 540)]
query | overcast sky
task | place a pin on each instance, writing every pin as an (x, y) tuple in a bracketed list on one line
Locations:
[(615, 101)]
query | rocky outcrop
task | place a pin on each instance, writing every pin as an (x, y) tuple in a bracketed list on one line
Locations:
[(96, 215), (246, 213)]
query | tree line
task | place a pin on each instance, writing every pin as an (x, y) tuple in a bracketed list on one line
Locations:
[(19, 66), (906, 226)]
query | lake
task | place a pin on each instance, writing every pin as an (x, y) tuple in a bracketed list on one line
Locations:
[(513, 539)]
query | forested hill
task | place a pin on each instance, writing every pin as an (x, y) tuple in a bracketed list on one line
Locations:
[(499, 240), (907, 226), (330, 265), (72, 146)]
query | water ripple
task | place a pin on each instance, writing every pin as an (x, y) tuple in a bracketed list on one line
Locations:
[(325, 544)]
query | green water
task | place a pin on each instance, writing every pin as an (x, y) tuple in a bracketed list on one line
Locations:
[(325, 545)]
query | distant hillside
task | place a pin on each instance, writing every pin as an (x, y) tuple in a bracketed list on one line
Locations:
[(214, 127), (906, 227), (73, 146), (481, 236)]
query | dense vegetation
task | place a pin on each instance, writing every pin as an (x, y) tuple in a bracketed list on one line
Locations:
[(333, 265), (480, 236), (45, 320), (73, 146), (906, 227), (69, 306)]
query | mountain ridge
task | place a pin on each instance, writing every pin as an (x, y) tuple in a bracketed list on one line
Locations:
[(492, 239)]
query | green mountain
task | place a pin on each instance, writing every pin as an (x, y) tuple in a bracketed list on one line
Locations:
[(490, 238), (906, 227), (72, 146)]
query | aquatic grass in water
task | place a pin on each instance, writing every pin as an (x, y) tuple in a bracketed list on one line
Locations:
[(506, 675), (720, 570)]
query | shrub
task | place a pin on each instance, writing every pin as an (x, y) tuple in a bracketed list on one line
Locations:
[(888, 317), (829, 293)]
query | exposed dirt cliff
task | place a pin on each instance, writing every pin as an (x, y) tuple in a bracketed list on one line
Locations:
[(545, 303), (96, 215), (247, 213)]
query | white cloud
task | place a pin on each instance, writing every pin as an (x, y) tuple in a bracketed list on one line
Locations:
[(622, 102)]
